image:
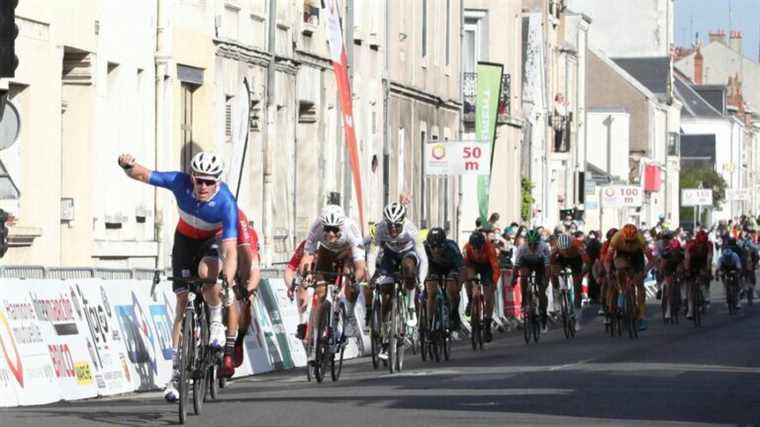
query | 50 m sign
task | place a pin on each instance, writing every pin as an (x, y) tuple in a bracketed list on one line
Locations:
[(457, 158)]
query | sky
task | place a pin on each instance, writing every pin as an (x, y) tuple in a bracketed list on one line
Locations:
[(703, 16)]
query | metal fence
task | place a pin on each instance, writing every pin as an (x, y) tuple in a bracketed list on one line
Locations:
[(64, 273)]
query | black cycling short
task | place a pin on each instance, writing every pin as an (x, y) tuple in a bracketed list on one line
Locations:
[(186, 256), (485, 271), (448, 271), (575, 264)]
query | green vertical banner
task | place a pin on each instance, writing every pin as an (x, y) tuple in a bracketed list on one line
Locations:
[(486, 108)]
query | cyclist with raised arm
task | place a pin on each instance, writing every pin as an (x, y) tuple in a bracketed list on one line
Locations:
[(445, 260), (206, 206), (533, 256), (335, 240), (399, 250), (481, 257)]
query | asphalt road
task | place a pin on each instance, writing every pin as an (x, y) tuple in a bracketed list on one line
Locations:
[(673, 375)]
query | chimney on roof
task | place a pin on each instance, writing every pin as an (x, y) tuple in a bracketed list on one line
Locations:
[(735, 41), (718, 36), (699, 62)]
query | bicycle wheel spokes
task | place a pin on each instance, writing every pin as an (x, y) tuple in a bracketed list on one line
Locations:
[(401, 332), (185, 362), (475, 325), (202, 353), (375, 331), (321, 352), (336, 359), (393, 334)]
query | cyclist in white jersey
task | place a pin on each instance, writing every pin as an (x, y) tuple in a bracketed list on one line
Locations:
[(397, 239), (334, 238)]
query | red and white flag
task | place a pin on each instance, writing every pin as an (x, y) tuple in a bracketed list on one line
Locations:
[(339, 60)]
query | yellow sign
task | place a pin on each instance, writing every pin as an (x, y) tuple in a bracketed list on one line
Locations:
[(83, 373)]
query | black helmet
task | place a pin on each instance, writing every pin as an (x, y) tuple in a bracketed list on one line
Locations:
[(436, 236), (477, 239)]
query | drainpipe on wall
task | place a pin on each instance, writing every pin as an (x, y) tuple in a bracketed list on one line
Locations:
[(349, 43), (161, 60), (461, 113), (266, 216), (386, 105)]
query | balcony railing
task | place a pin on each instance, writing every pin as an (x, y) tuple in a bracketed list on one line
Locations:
[(469, 89)]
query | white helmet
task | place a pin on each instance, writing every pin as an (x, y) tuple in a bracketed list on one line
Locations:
[(394, 213), (207, 163), (332, 216)]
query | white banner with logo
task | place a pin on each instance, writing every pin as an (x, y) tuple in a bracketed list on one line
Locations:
[(457, 158), (696, 197), (105, 340), (74, 339), (74, 368), (24, 343), (257, 340), (288, 319), (621, 196), (146, 331)]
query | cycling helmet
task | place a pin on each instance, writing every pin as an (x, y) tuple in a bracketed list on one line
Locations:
[(533, 237), (207, 163), (477, 239), (611, 232), (701, 236), (394, 213), (630, 232), (436, 236), (563, 242), (332, 216)]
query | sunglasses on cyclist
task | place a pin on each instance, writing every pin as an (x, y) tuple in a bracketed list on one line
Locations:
[(395, 227), (204, 182), (330, 229)]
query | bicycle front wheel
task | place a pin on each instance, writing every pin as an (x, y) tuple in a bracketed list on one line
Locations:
[(697, 298), (202, 353), (565, 315), (375, 332), (213, 381), (185, 362), (475, 325), (424, 331), (322, 352), (630, 315), (336, 359), (443, 333), (393, 334)]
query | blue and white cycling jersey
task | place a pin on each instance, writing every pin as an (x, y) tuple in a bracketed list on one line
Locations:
[(199, 220)]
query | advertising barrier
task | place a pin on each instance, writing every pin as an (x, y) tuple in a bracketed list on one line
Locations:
[(83, 338)]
